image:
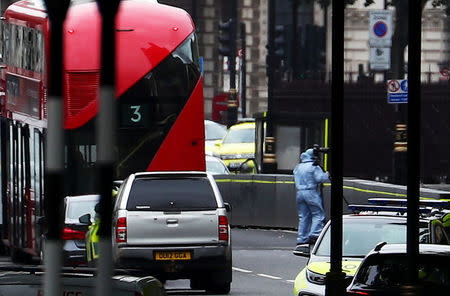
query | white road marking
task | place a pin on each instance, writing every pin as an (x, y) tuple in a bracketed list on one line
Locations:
[(269, 276), (242, 270), (262, 275)]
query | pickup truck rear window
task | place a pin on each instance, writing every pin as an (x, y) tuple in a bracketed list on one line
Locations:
[(174, 194)]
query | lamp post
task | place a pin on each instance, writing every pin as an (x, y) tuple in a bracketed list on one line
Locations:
[(54, 161), (227, 40), (269, 161)]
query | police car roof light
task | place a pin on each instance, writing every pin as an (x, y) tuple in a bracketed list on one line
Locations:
[(396, 209), (404, 202)]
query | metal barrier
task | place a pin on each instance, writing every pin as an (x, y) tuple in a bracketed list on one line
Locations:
[(24, 281), (269, 200)]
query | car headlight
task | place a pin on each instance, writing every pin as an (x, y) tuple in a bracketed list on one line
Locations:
[(315, 278)]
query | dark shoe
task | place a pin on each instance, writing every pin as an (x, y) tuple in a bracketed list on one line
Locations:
[(301, 249), (312, 241)]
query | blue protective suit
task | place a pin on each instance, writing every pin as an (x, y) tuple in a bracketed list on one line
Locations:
[(309, 202)]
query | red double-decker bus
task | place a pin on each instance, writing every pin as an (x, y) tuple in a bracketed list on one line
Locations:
[(159, 99)]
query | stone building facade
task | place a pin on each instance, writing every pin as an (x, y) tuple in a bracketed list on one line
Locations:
[(435, 42), (254, 13)]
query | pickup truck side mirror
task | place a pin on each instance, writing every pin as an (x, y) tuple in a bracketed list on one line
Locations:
[(227, 206), (85, 219)]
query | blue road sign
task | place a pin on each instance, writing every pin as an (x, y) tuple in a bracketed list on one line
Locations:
[(397, 91), (404, 85), (380, 33), (380, 28)]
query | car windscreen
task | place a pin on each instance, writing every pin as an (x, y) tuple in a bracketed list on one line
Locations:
[(77, 208), (246, 135), (390, 270), (359, 237), (216, 167), (171, 194), (214, 132)]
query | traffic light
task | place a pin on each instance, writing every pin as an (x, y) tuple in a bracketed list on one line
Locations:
[(227, 38), (280, 41)]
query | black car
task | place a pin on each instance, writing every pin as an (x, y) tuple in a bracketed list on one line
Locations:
[(383, 271), (73, 233)]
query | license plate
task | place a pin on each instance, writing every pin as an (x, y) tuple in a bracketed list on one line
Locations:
[(179, 255), (234, 165)]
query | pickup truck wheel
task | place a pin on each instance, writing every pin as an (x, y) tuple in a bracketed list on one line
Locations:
[(196, 284), (219, 288)]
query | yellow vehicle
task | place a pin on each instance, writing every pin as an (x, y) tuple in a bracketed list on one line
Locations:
[(362, 232), (237, 148)]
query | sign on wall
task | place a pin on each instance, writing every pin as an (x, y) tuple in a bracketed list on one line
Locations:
[(397, 90), (380, 28), (380, 58)]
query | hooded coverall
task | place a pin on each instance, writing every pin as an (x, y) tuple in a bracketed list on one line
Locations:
[(311, 214)]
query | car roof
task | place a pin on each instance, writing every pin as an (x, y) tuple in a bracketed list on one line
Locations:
[(425, 249), (85, 197), (171, 174), (212, 158), (388, 215), (381, 217), (210, 122), (243, 125)]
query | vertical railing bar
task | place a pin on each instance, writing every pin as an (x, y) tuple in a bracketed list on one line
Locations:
[(54, 158), (414, 119), (335, 279), (105, 132)]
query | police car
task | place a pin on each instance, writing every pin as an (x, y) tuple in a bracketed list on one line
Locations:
[(362, 231)]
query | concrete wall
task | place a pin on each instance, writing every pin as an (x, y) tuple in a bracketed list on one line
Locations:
[(269, 200)]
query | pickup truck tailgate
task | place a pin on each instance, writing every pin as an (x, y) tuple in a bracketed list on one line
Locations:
[(170, 228)]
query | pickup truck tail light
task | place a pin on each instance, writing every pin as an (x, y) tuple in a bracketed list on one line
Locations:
[(121, 230), (223, 228)]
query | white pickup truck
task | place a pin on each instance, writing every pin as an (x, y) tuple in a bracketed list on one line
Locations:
[(174, 225)]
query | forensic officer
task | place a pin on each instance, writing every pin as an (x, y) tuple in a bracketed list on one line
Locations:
[(308, 176)]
